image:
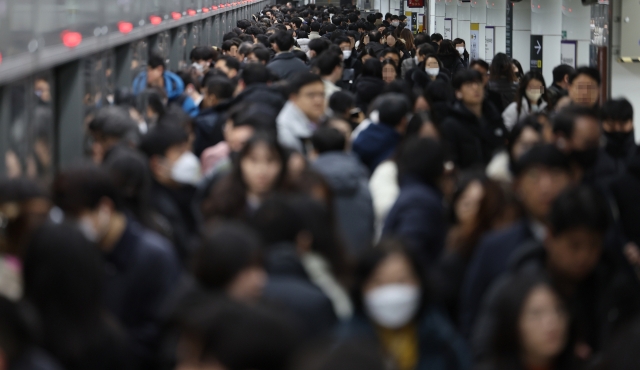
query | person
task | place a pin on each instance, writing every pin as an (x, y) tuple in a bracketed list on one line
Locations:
[(158, 76), (176, 172), (378, 141), (560, 85), (432, 68), (502, 81), (230, 48), (394, 308), (517, 69), (369, 85), (348, 179), (436, 39), (208, 124), (63, 283), (531, 327), (474, 129), (259, 54), (406, 36), (228, 65), (284, 64), (584, 87), (460, 46), (110, 127), (450, 57), (302, 112), (409, 65), (329, 66), (229, 261), (418, 214), (215, 332), (258, 171), (142, 267), (352, 65), (530, 98), (540, 175), (389, 70), (620, 147), (315, 30), (592, 279)]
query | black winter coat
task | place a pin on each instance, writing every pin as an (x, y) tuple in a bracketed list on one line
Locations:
[(504, 89), (624, 191), (367, 88), (452, 63)]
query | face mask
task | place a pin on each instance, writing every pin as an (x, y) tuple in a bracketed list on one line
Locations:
[(395, 24), (88, 229), (616, 142), (533, 95), (186, 170), (585, 158), (198, 67), (460, 50), (346, 54), (432, 71), (309, 54), (393, 306)]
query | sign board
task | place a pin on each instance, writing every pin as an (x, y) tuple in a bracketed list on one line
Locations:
[(414, 22), (569, 53), (474, 44), (509, 30), (415, 3), (536, 53), (489, 47), (420, 23), (448, 29)]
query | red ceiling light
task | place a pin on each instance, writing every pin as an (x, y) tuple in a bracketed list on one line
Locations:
[(125, 27), (176, 15), (71, 39), (155, 20), (0, 58), (205, 10), (191, 12), (214, 7), (221, 5)]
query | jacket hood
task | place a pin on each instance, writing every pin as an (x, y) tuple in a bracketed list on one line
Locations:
[(375, 139), (173, 84), (343, 172)]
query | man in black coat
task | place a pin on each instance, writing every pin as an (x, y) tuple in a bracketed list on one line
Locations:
[(285, 63), (474, 131), (207, 125)]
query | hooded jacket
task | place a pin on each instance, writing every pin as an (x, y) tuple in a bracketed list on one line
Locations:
[(352, 200), (376, 144), (473, 140), (286, 64), (173, 86)]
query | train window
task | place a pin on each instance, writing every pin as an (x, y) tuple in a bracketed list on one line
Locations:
[(162, 45), (99, 89), (206, 33), (196, 33), (30, 137), (181, 39)]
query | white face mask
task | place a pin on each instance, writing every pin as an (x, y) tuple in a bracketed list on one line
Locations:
[(395, 23), (187, 170), (394, 305), (88, 228), (432, 71), (533, 95), (346, 54), (460, 49)]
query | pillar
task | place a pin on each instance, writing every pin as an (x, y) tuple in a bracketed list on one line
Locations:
[(576, 19), (451, 12), (479, 16), (546, 20), (440, 16), (464, 22), (522, 33), (497, 17)]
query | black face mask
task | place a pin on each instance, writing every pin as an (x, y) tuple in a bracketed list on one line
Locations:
[(617, 142), (585, 158)]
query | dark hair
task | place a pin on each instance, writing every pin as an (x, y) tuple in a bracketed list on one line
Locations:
[(254, 31), (229, 197), (261, 53), (426, 49), (481, 63), (230, 62), (114, 122), (436, 37), (202, 53), (421, 159), (300, 80), (561, 71), (82, 187), (283, 40), (390, 51), (502, 68), (228, 44), (582, 206), (466, 76), (591, 72), (520, 73), (522, 89), (619, 110), (254, 73), (243, 24), (225, 251), (447, 48), (505, 342), (341, 101), (372, 68), (328, 139), (156, 61), (564, 122), (547, 155), (393, 108), (160, 138), (221, 87), (531, 121), (319, 45), (327, 63), (227, 37), (392, 63), (315, 26)]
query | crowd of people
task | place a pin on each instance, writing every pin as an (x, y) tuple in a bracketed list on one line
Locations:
[(325, 191)]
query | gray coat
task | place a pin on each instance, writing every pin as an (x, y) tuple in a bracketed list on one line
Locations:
[(348, 179)]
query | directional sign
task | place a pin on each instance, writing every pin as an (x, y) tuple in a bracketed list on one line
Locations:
[(536, 53)]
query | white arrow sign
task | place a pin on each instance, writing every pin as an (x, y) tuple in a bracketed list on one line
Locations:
[(538, 47)]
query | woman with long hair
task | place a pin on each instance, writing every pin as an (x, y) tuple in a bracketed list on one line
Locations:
[(530, 98), (502, 81), (259, 170), (450, 58), (407, 36)]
